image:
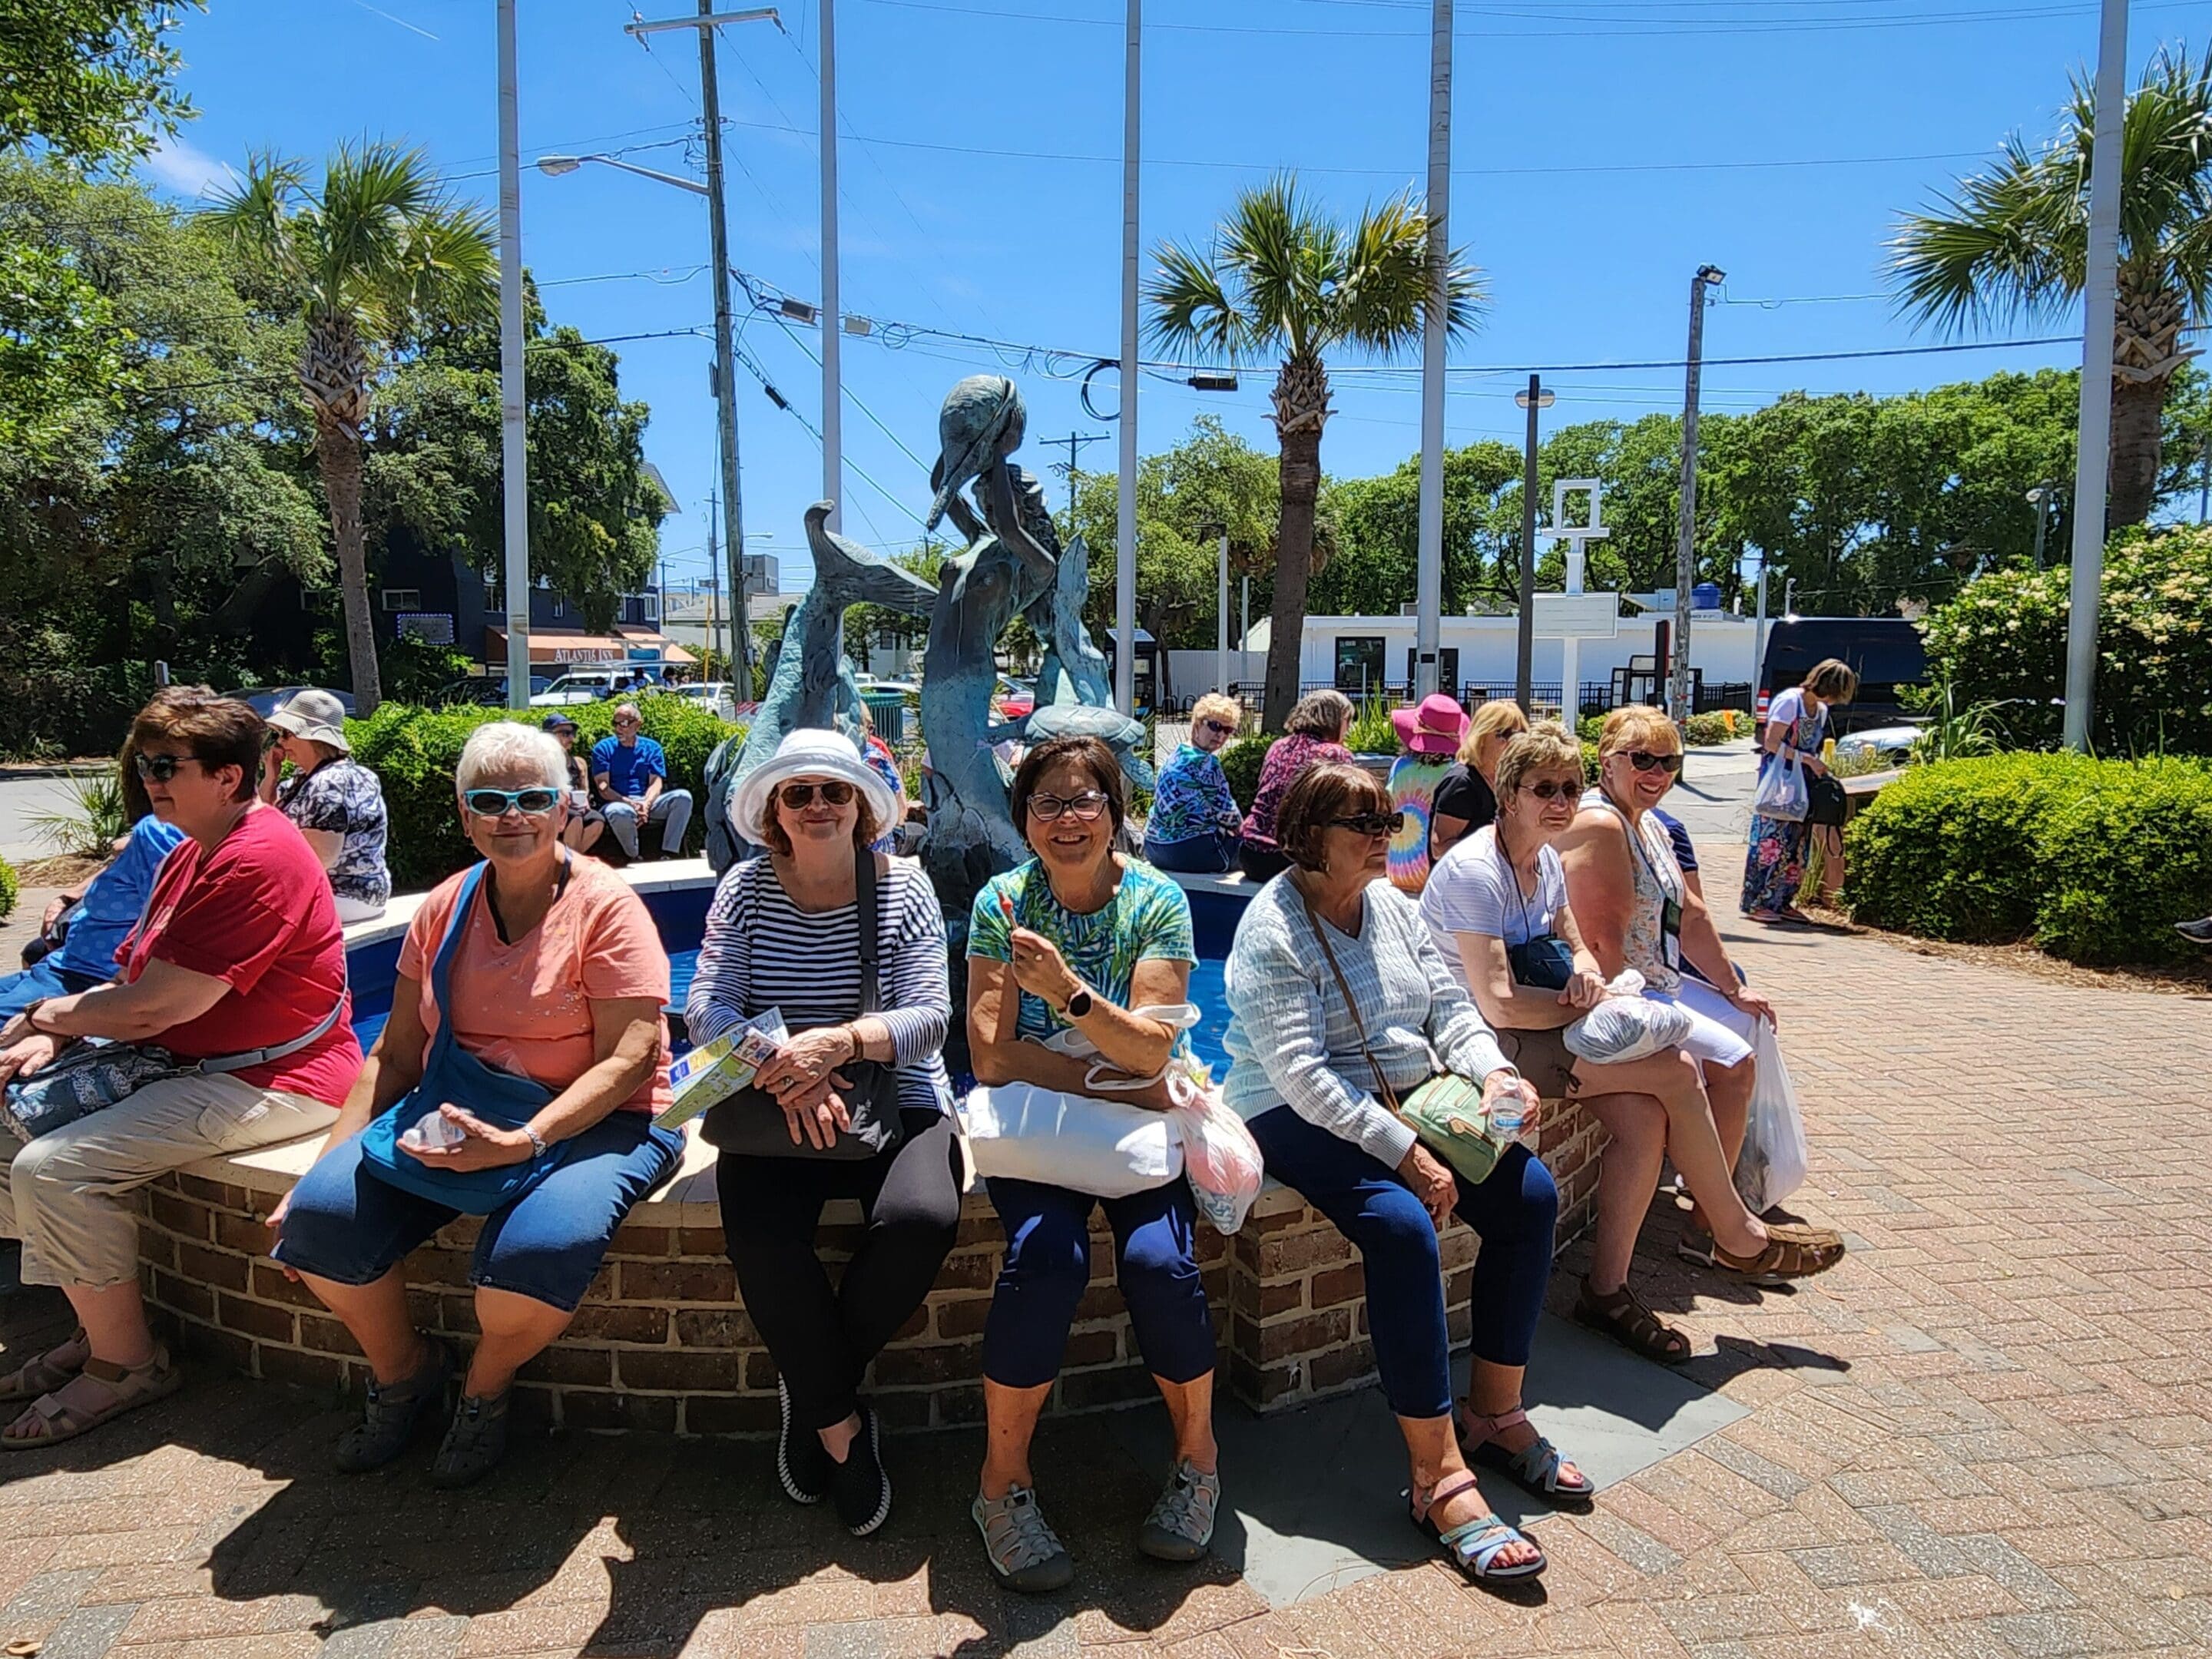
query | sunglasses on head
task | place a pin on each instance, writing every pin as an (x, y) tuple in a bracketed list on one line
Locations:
[(1643, 761), (835, 792), (160, 768), (1371, 824), (1084, 808), (496, 802), (1556, 789)]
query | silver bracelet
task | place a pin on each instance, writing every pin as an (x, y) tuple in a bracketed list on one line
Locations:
[(536, 1140)]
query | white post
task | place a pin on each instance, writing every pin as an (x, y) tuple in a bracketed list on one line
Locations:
[(1571, 647), (1125, 515), (2092, 456), (1758, 635), (514, 405), (833, 319), (1429, 566), (1221, 629)]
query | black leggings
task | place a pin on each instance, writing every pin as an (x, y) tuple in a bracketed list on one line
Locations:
[(821, 1339)]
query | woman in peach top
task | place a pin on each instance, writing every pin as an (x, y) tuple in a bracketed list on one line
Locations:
[(551, 972)]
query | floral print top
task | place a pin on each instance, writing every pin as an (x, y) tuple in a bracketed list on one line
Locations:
[(1289, 758), (1148, 917), (1191, 798), (1647, 948), (344, 797)]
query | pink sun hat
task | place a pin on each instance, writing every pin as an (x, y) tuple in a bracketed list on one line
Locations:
[(1433, 728)]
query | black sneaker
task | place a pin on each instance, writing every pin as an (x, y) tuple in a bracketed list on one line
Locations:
[(802, 1461), (861, 1488)]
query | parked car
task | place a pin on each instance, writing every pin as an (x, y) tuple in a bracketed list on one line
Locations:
[(1014, 698), (1885, 652), (265, 700), (592, 686), (484, 690), (720, 695), (1892, 743), (903, 688)]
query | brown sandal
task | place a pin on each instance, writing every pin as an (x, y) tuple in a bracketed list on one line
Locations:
[(100, 1391), (43, 1373), (1629, 1322), (1793, 1251)]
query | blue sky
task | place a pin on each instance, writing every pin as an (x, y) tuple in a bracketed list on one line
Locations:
[(1602, 150)]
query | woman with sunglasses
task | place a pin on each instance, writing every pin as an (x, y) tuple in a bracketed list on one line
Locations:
[(1636, 910), (784, 932), (236, 961), (1081, 938), (547, 966), (1194, 826), (1339, 1003)]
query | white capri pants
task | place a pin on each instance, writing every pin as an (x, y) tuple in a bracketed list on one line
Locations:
[(1720, 1032)]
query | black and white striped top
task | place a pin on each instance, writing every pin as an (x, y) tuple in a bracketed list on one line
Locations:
[(763, 951)]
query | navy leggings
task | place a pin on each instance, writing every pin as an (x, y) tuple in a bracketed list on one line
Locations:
[(1512, 1212), (1048, 1268)]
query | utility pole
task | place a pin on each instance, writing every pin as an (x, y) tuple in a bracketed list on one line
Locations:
[(1759, 633), (1524, 654), (513, 398), (1221, 621), (718, 230), (2204, 489), (1074, 443), (1686, 550), (1429, 563), (1125, 517), (833, 319), (2099, 304)]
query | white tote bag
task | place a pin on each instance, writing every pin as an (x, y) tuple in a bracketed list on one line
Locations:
[(1087, 1143), (1772, 1164)]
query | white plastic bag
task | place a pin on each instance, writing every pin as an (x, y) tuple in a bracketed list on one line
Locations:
[(1773, 1162), (1781, 791), (1220, 1159), (1626, 1026)]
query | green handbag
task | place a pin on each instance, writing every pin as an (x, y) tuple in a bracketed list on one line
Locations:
[(1445, 1113)]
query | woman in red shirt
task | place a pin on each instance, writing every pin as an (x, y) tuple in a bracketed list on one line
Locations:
[(1312, 736), (239, 953)]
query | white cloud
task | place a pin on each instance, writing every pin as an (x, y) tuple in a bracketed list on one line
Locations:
[(188, 170)]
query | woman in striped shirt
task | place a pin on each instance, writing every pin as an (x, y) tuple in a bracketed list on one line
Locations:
[(784, 932)]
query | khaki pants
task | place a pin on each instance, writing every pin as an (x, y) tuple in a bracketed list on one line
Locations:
[(67, 1195)]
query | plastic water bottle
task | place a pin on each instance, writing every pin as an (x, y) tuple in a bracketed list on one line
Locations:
[(1505, 1117)]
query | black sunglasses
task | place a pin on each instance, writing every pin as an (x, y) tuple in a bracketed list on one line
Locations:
[(1226, 731), (1084, 808), (798, 796), (1371, 824), (495, 803), (160, 768), (1555, 789), (1644, 761)]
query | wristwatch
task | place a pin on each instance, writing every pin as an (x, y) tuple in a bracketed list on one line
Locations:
[(536, 1140), (1079, 1004)]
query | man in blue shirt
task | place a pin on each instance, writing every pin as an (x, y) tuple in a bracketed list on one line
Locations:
[(99, 914), (629, 777)]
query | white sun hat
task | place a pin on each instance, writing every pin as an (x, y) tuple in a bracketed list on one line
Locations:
[(810, 753)]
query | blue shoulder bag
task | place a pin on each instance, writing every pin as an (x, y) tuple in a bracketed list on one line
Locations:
[(453, 1073)]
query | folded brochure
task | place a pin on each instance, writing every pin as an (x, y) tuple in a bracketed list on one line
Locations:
[(715, 1071)]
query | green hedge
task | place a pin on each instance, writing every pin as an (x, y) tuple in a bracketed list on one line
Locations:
[(7, 889), (2092, 859), (413, 751), (1240, 763)]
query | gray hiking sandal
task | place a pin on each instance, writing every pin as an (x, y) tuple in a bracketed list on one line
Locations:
[(1180, 1525), (393, 1413), (1025, 1554), (475, 1443)]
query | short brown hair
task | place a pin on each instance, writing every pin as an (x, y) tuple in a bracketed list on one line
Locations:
[(1322, 715), (1636, 723), (1498, 718), (217, 731), (1088, 753), (1332, 790), (1546, 746), (1831, 680), (777, 839)]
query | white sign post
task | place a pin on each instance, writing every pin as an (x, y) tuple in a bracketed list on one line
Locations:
[(1576, 536)]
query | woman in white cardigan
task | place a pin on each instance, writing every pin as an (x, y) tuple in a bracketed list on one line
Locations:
[(1300, 1076)]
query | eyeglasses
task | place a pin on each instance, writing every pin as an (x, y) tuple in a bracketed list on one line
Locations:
[(1371, 824), (1225, 730), (1567, 789), (1644, 761), (497, 803), (1084, 808), (835, 792), (160, 768)]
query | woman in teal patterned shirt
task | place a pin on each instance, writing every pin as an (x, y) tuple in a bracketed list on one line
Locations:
[(1194, 825)]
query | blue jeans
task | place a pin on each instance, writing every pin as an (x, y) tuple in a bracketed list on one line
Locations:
[(42, 979), (1048, 1268), (1198, 855), (1512, 1212), (346, 1226)]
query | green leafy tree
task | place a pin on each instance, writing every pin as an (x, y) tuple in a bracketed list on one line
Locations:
[(1287, 280), (1377, 527), (380, 255), (88, 79), (2012, 243)]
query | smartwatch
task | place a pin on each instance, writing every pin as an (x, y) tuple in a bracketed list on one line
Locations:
[(1079, 1004)]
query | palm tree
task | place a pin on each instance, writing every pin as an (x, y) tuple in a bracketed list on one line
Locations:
[(1285, 279), (383, 254), (2011, 244)]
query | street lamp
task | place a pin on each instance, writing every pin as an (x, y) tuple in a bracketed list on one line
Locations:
[(553, 166), (1524, 657), (2041, 498)]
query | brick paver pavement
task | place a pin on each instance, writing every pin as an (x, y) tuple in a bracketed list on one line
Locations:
[(1985, 1435)]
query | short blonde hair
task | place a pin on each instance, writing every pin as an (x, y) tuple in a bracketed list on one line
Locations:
[(1831, 680), (1637, 725), (1214, 706), (509, 749), (1547, 746), (1498, 718)]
